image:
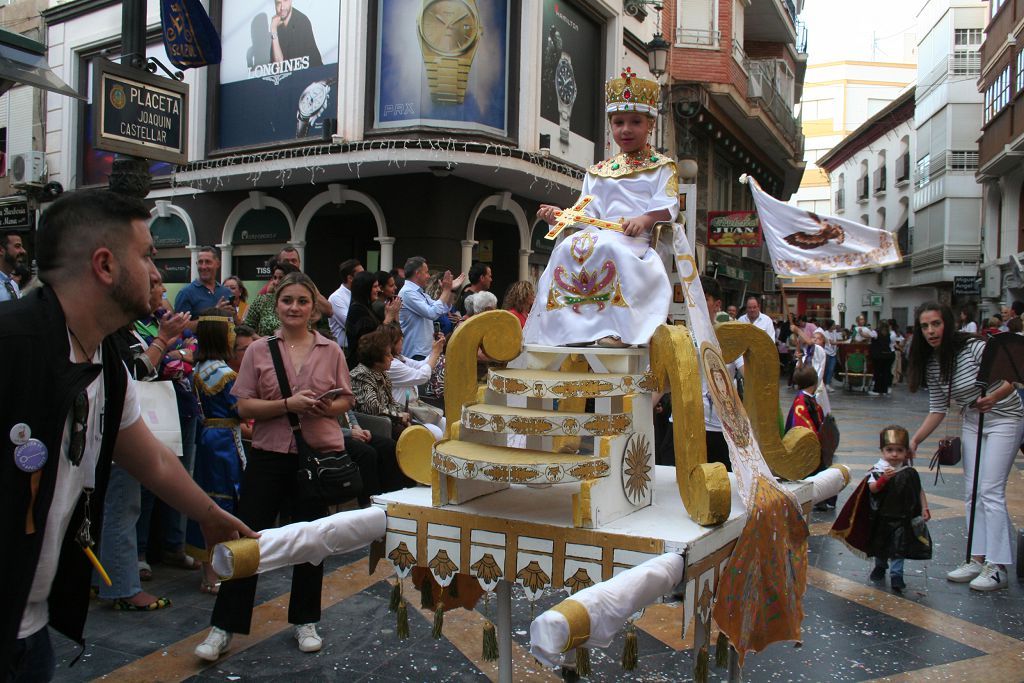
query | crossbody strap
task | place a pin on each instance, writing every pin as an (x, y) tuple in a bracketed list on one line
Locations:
[(273, 343)]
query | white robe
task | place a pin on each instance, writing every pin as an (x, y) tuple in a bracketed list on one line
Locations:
[(600, 282)]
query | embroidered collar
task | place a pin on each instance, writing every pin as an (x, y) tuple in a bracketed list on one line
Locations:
[(623, 164)]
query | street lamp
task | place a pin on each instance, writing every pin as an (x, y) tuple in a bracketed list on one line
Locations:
[(657, 55)]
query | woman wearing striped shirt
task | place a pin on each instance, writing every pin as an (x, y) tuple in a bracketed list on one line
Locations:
[(940, 354)]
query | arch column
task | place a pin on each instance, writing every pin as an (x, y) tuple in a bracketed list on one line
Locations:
[(524, 263), (300, 247), (193, 259), (467, 254), (387, 252), (226, 251)]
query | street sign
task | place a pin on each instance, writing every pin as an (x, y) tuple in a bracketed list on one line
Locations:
[(16, 215), (139, 113), (965, 285), (873, 300), (734, 229)]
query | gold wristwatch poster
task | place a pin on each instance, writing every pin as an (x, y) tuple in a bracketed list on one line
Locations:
[(443, 63), (570, 81)]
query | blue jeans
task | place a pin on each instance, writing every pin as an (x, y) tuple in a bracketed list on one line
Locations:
[(33, 659), (118, 547), (173, 521), (895, 565), (830, 368)]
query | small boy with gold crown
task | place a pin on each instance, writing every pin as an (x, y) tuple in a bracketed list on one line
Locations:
[(600, 285)]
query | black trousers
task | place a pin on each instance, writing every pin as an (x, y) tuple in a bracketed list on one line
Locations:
[(883, 372), (718, 448), (266, 492)]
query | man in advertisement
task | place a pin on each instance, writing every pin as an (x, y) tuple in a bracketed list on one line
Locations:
[(291, 35)]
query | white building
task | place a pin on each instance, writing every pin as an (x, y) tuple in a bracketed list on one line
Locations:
[(870, 180), (948, 118)]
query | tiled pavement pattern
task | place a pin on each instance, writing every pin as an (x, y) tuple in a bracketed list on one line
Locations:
[(853, 630)]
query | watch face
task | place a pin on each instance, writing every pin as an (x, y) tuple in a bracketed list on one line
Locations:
[(313, 98), (449, 27), (565, 82)]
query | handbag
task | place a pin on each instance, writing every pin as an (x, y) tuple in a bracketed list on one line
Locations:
[(949, 451), (160, 412), (322, 479)]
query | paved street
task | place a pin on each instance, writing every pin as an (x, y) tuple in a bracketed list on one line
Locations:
[(853, 630)]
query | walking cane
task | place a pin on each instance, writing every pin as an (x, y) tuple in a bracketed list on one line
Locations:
[(999, 361)]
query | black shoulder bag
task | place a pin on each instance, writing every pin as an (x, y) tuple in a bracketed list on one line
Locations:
[(323, 478)]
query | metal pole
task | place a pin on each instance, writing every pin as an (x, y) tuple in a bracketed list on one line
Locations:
[(504, 628), (128, 174), (974, 489)]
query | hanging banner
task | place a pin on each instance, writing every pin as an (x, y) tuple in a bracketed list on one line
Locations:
[(280, 62), (190, 39), (733, 229)]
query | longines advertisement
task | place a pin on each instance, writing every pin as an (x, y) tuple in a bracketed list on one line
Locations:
[(443, 63), (569, 70), (279, 59)]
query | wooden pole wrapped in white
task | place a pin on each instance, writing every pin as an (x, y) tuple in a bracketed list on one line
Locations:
[(300, 542)]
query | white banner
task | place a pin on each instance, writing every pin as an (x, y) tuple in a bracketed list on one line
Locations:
[(803, 243)]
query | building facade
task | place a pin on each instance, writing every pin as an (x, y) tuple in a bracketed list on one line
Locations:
[(1001, 155), (948, 118), (735, 74), (367, 142)]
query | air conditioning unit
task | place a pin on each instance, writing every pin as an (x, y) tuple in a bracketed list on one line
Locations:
[(27, 169)]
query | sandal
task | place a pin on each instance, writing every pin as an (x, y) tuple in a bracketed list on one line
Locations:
[(122, 605), (145, 571), (209, 588)]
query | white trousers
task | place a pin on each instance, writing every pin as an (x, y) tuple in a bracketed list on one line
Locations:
[(993, 530)]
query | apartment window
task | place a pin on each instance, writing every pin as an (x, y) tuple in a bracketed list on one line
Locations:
[(967, 37), (3, 151), (815, 110), (697, 22), (1020, 72), (966, 160), (996, 6), (924, 170), (997, 95)]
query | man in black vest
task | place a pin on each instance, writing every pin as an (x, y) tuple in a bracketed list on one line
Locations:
[(66, 409)]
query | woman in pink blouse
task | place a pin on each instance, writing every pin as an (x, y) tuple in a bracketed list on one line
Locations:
[(314, 365)]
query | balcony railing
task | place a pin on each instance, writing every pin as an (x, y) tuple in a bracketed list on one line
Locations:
[(902, 169), (687, 36), (879, 180), (965, 63), (739, 55), (764, 87), (801, 37), (862, 189), (959, 161)]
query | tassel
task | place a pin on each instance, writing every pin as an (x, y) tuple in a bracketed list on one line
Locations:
[(396, 596), (490, 643), (582, 661), (438, 621), (426, 593), (700, 670), (722, 650), (630, 650), (453, 587), (403, 621)]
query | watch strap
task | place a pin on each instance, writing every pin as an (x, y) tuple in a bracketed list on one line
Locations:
[(447, 78)]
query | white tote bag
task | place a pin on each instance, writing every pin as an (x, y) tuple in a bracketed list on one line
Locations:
[(160, 412)]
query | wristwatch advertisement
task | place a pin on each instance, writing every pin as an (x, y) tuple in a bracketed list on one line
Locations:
[(312, 103), (449, 33), (565, 89)]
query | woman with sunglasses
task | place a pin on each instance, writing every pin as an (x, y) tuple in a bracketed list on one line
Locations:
[(314, 365)]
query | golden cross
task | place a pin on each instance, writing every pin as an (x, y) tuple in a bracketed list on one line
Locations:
[(575, 215)]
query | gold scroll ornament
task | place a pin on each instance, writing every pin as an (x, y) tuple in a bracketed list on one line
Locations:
[(575, 216), (500, 336)]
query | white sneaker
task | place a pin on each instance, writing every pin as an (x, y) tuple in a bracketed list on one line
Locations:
[(873, 393), (214, 646), (965, 572), (309, 639), (991, 578)]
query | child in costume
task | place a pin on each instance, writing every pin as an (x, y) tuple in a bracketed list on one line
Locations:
[(805, 411), (601, 285), (885, 517), (220, 457)]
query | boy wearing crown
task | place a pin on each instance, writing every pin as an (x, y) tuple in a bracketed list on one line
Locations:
[(600, 285)]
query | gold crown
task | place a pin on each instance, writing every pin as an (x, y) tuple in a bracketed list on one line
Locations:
[(632, 93), (895, 436)]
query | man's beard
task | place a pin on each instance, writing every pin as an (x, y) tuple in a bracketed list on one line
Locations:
[(128, 300), (11, 261)]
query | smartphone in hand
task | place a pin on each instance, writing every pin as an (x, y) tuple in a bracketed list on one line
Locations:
[(330, 394), (437, 330)]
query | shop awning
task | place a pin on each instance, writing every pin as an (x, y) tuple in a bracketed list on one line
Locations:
[(23, 61)]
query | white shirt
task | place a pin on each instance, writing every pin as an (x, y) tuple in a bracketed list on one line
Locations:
[(970, 328), (68, 489), (406, 374), (340, 301), (762, 322), (831, 337), (863, 334)]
